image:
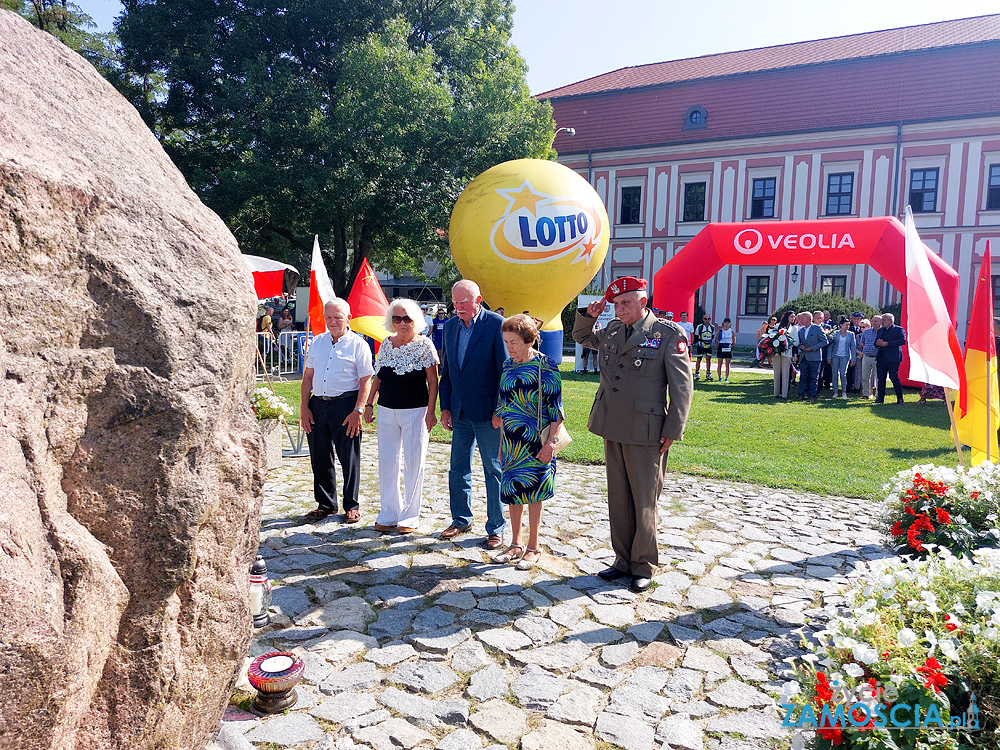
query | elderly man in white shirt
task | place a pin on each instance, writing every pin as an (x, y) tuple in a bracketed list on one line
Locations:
[(335, 385)]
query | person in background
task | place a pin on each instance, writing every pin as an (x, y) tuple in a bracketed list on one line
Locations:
[(724, 348), (530, 399), (812, 339), (688, 327), (640, 409), (429, 311), (889, 341), (782, 362), (470, 379), (765, 327), (406, 388), (704, 336), (334, 392), (499, 311), (267, 328), (843, 349), (438, 335), (869, 332), (854, 369)]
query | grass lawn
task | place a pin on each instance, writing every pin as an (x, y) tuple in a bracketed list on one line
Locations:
[(738, 431)]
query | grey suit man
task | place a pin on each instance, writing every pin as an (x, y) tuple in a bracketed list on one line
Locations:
[(642, 359), (812, 339)]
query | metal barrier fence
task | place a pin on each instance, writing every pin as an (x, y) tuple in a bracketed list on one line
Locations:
[(280, 354)]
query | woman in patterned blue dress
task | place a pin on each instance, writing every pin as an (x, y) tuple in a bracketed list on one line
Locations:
[(528, 467)]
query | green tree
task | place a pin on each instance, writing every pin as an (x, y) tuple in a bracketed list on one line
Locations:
[(68, 23), (358, 120)]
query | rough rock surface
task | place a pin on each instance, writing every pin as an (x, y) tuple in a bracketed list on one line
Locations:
[(129, 459)]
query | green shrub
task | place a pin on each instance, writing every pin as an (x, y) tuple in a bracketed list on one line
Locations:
[(836, 304)]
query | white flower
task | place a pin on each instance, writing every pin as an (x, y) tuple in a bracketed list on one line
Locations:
[(949, 647), (854, 670), (906, 637), (789, 690)]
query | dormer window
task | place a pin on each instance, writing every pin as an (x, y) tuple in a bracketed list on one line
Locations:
[(696, 118)]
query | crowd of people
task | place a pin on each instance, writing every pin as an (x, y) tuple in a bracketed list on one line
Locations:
[(497, 391)]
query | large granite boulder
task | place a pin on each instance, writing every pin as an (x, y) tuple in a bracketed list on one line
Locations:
[(129, 458)]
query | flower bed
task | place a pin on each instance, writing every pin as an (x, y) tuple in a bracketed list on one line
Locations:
[(916, 638), (936, 505)]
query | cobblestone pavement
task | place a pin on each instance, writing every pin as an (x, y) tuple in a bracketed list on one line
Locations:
[(411, 641)]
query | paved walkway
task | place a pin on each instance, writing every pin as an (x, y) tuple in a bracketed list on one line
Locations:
[(413, 642)]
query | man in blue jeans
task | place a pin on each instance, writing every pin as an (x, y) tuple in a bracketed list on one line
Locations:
[(471, 363), (812, 339)]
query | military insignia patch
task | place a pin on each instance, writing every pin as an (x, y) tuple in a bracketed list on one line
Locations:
[(682, 346), (653, 343)]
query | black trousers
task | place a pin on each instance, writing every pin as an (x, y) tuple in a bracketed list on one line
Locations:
[(892, 370), (329, 437)]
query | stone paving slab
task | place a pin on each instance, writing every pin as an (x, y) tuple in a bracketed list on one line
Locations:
[(415, 642)]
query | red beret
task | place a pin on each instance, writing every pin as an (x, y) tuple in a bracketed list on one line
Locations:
[(622, 285)]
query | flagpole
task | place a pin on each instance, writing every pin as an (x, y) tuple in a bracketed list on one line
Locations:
[(954, 428)]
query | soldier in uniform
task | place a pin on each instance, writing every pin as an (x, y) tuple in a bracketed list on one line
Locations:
[(642, 360)]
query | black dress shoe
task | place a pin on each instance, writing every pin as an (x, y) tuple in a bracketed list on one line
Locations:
[(639, 583), (611, 574)]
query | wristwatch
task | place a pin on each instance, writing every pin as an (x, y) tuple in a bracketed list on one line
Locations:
[(359, 409)]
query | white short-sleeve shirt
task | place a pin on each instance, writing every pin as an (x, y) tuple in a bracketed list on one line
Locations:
[(338, 368)]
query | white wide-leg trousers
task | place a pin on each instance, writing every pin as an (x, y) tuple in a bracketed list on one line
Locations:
[(402, 440)]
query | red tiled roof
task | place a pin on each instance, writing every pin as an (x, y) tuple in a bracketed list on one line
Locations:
[(904, 39)]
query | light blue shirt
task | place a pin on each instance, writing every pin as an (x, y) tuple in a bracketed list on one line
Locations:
[(465, 335)]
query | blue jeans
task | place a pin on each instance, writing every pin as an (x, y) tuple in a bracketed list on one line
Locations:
[(840, 374), (809, 371), (464, 436)]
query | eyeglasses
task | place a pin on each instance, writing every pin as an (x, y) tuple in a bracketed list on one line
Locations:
[(397, 319)]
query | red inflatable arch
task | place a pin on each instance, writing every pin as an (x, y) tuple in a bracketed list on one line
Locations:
[(879, 243)]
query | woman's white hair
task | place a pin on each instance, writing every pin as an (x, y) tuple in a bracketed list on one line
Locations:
[(413, 312)]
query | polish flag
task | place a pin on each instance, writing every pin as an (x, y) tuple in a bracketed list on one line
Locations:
[(935, 354), (320, 291)]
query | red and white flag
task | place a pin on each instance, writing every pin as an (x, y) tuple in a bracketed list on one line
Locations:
[(320, 291), (935, 354)]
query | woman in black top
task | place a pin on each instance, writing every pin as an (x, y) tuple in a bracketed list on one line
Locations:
[(406, 386)]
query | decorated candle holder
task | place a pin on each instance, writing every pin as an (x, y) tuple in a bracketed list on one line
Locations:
[(274, 677)]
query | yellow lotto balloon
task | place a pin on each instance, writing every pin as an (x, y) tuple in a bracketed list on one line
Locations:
[(532, 234)]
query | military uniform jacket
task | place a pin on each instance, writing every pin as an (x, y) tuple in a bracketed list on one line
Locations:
[(631, 405)]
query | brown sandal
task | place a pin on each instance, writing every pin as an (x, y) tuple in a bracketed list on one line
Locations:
[(317, 515), (352, 516)]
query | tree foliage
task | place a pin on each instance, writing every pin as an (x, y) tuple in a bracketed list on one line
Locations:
[(67, 22), (836, 304), (358, 120)]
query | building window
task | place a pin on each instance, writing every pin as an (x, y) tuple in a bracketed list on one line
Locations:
[(694, 201), (833, 285), (923, 190), (839, 194), (757, 295), (696, 118), (993, 190), (996, 295), (762, 200), (631, 200)]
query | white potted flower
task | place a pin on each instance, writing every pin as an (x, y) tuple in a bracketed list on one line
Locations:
[(271, 410)]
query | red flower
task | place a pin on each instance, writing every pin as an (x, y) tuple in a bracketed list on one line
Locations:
[(831, 733), (897, 529), (975, 495), (931, 671), (823, 691), (942, 516), (909, 511)]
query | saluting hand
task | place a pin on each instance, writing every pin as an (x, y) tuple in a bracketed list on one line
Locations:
[(594, 309)]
